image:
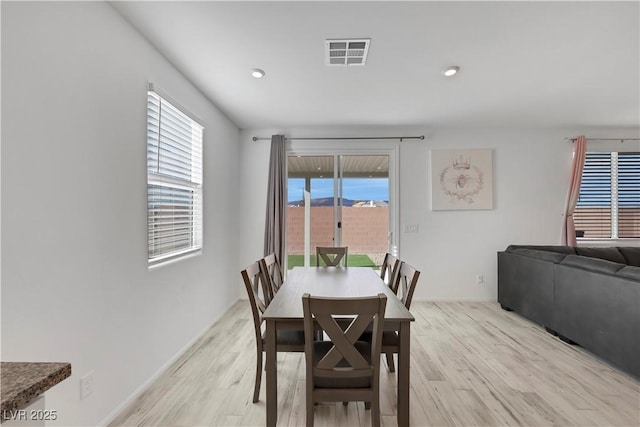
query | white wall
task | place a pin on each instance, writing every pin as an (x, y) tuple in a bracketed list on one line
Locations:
[(75, 282), (531, 172)]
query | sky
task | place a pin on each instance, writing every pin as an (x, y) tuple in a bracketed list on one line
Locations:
[(353, 188)]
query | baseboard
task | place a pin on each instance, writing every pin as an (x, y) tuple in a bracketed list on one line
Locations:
[(145, 385)]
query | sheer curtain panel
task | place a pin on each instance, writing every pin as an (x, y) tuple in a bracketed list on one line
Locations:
[(579, 155)]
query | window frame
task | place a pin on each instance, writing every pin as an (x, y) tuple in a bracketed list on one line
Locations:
[(174, 186)]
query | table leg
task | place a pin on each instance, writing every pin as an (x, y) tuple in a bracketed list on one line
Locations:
[(272, 377), (403, 374)]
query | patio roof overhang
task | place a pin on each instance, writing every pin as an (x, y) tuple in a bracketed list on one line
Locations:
[(353, 166)]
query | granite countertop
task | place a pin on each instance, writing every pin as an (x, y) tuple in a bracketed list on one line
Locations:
[(21, 382)]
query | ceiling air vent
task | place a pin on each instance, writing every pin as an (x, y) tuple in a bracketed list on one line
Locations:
[(346, 52)]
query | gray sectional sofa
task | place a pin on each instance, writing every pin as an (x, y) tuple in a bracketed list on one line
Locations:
[(586, 296)]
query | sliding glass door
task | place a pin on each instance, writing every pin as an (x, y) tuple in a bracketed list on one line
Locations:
[(339, 200)]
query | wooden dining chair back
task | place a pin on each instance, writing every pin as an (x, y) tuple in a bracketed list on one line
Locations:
[(257, 291), (343, 369), (272, 271), (256, 285), (405, 285), (331, 256), (389, 270), (406, 281)]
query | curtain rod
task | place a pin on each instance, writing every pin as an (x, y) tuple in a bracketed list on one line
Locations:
[(257, 138), (604, 139)]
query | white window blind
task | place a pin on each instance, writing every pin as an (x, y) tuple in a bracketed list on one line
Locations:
[(628, 195), (174, 180), (609, 203)]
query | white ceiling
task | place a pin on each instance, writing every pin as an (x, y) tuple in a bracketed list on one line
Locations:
[(524, 64)]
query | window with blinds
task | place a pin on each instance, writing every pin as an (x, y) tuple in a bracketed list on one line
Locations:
[(609, 203), (174, 180), (628, 195)]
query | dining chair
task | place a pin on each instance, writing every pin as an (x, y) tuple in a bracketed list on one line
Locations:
[(389, 269), (272, 271), (404, 286), (343, 369), (286, 341), (331, 256)]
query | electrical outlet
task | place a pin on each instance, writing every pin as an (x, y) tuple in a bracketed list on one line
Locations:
[(86, 385), (479, 279)]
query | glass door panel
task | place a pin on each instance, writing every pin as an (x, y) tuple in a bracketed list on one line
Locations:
[(310, 212), (364, 181)]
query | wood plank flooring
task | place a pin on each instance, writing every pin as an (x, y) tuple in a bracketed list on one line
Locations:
[(472, 364)]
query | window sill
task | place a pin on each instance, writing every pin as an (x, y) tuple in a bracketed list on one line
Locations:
[(608, 242), (175, 258)]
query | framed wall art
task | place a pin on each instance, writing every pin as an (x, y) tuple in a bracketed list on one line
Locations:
[(461, 179)]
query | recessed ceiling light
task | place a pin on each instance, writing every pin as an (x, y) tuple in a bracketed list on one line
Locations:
[(451, 71), (257, 73)]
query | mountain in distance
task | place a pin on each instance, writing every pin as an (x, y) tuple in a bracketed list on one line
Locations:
[(328, 201)]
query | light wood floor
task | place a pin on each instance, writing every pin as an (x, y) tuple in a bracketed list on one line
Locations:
[(472, 364)]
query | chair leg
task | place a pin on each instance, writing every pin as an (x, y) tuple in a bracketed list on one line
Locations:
[(256, 389), (375, 413), (367, 406), (390, 364), (310, 406)]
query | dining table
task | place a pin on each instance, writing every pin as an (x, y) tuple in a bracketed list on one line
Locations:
[(285, 313)]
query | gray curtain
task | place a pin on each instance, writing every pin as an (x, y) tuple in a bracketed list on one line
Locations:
[(274, 226)]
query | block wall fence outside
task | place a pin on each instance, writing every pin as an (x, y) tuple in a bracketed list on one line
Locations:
[(364, 229)]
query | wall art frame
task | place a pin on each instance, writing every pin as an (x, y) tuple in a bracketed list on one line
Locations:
[(461, 179)]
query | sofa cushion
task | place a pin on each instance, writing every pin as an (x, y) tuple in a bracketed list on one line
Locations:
[(610, 254), (542, 255), (631, 255), (547, 248), (592, 264), (629, 272)]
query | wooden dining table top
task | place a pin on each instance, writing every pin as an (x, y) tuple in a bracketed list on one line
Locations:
[(336, 282)]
